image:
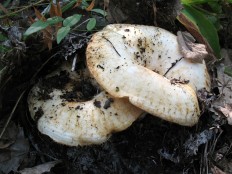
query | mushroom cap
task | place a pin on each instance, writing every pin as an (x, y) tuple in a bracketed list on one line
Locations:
[(129, 61), (76, 121), (158, 49)]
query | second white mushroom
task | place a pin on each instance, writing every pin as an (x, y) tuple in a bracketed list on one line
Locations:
[(69, 108)]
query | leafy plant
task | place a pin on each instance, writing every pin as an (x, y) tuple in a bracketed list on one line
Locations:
[(3, 48), (202, 24), (63, 26)]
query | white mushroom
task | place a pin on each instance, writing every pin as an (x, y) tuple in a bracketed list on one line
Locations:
[(130, 61), (62, 112)]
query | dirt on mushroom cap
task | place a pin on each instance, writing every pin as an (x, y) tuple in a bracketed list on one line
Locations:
[(158, 50), (123, 58), (70, 120)]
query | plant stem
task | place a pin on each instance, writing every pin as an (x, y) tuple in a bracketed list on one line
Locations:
[(29, 6)]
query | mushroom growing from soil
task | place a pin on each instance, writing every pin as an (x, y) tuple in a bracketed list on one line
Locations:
[(70, 109), (144, 64)]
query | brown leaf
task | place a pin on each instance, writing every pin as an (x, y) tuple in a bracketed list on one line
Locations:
[(53, 10), (18, 151), (90, 7), (227, 112), (31, 19), (106, 4), (216, 170), (194, 31), (224, 81), (59, 13), (39, 15), (47, 37), (77, 4), (3, 9), (192, 51), (42, 168), (59, 10), (47, 32), (9, 136)]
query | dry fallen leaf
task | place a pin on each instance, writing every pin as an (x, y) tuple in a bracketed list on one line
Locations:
[(227, 111), (9, 136), (216, 170), (115, 13), (192, 144), (90, 7), (193, 51), (106, 4), (77, 4), (48, 32), (224, 81), (43, 168), (2, 8), (14, 154), (224, 84), (195, 32)]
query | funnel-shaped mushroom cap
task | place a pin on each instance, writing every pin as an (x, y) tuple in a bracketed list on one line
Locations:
[(126, 59), (65, 112), (158, 50)]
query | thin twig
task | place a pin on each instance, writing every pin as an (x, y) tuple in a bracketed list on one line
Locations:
[(215, 141), (12, 113), (80, 24), (74, 63), (42, 67), (21, 95), (112, 45), (173, 64), (29, 6), (5, 82)]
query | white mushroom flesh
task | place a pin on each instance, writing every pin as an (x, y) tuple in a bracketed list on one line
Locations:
[(129, 61), (79, 122), (158, 50)]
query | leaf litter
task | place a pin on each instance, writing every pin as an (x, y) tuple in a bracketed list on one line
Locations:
[(194, 52), (224, 82), (14, 148)]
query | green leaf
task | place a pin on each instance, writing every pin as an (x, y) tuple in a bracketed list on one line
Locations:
[(61, 33), (214, 20), (91, 24), (99, 11), (6, 3), (190, 2), (84, 4), (3, 71), (35, 27), (72, 20), (215, 6), (228, 71), (198, 23), (54, 20), (2, 37), (68, 5), (4, 49)]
